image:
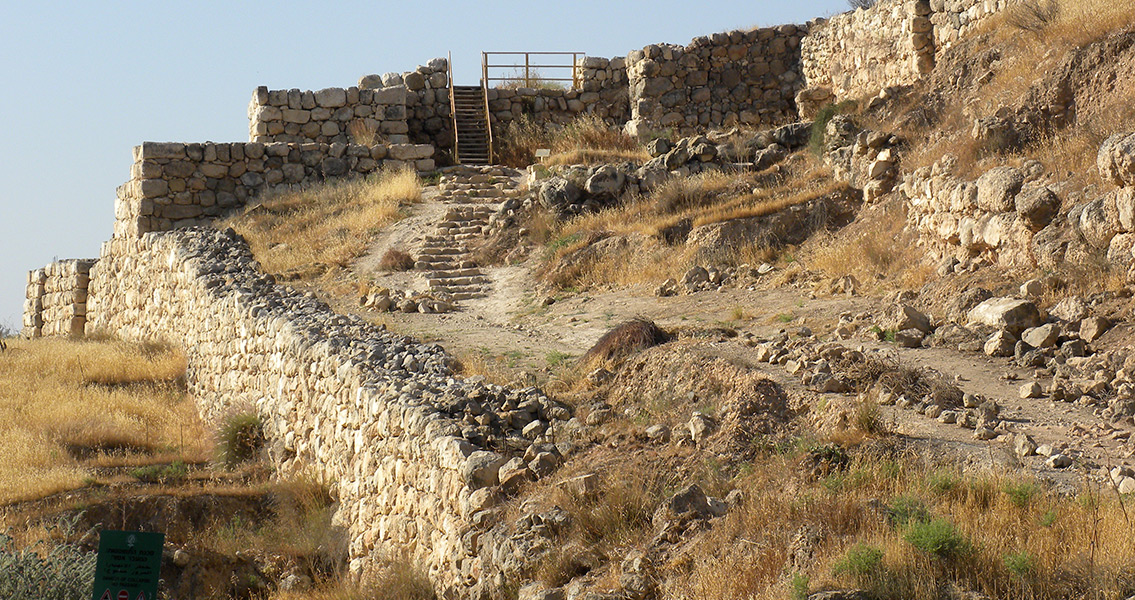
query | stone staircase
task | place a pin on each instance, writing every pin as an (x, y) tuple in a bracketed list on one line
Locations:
[(474, 195), (472, 128)]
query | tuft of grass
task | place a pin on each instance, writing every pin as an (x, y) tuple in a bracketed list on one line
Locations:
[(800, 586), (364, 131), (240, 439), (396, 260), (937, 537), (621, 342), (67, 406), (50, 570), (861, 561), (320, 230), (817, 138), (1021, 564), (1022, 494), (905, 510)]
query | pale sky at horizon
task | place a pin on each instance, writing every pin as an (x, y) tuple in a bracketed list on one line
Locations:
[(83, 83)]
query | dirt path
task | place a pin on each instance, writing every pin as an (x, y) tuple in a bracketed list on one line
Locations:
[(523, 331)]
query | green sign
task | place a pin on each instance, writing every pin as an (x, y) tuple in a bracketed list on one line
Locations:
[(128, 565)]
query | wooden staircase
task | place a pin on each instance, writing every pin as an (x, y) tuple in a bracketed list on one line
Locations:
[(471, 126)]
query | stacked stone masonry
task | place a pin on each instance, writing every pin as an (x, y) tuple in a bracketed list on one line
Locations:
[(721, 80), (428, 116), (56, 299), (858, 53), (332, 115), (354, 405), (176, 185)]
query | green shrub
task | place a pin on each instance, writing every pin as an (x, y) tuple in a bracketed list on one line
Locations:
[(937, 537), (905, 510), (60, 572), (1020, 564), (943, 481), (800, 586), (173, 472), (240, 439), (1021, 494), (860, 561), (819, 132)]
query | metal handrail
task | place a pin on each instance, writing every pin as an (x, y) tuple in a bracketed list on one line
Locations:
[(529, 76), (453, 111), (488, 115)]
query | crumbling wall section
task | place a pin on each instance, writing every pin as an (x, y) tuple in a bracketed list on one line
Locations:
[(56, 299)]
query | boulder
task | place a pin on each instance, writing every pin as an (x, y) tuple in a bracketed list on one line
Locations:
[(1091, 328), (658, 147), (1116, 159), (1023, 445), (905, 316), (1037, 206), (481, 469), (997, 189), (1012, 314), (559, 193), (910, 338), (606, 181), (1044, 336), (1001, 343), (1069, 309), (1094, 223)]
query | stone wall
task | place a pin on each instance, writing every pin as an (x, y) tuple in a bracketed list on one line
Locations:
[(726, 79), (893, 43), (428, 116), (56, 299), (954, 19), (176, 185), (376, 415), (857, 53), (332, 115)]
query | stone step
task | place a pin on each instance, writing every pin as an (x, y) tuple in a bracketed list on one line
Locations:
[(469, 272), (450, 282)]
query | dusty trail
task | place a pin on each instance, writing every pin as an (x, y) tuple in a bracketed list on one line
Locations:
[(530, 333)]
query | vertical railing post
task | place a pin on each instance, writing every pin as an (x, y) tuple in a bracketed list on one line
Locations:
[(453, 113), (527, 79)]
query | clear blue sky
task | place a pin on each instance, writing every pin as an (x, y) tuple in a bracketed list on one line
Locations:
[(81, 83)]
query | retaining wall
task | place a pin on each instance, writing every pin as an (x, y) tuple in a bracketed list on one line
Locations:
[(56, 299), (175, 185), (358, 407)]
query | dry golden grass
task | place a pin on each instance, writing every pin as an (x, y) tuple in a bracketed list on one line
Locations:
[(1071, 546), (395, 580), (587, 138), (703, 199), (879, 252), (1032, 46), (589, 156), (68, 405), (320, 230)]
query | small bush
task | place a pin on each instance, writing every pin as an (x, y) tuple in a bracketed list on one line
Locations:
[(1021, 494), (240, 439), (937, 537), (1020, 564), (943, 481), (800, 586), (860, 561), (396, 260), (869, 418), (905, 510), (819, 133)]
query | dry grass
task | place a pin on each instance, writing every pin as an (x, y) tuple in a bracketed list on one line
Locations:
[(1051, 28), (66, 406), (364, 131), (309, 233), (651, 255), (878, 251), (587, 139), (1062, 547)]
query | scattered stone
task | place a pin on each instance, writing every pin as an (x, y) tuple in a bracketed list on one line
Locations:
[(1011, 314), (1024, 445), (1044, 336), (1059, 461), (658, 433), (1001, 343), (1091, 328), (1030, 390), (700, 427)]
